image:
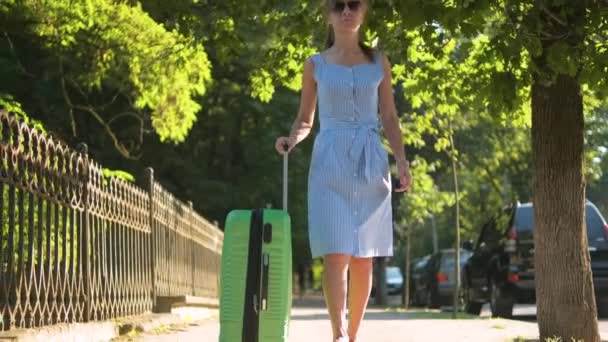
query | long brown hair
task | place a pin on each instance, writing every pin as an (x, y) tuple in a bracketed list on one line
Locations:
[(331, 36)]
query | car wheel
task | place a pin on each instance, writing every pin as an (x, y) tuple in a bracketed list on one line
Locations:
[(431, 299), (501, 301), (470, 307), (415, 297), (420, 298), (412, 299)]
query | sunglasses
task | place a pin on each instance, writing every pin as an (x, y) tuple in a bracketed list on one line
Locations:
[(353, 6)]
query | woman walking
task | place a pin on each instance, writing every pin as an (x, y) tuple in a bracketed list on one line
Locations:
[(349, 183)]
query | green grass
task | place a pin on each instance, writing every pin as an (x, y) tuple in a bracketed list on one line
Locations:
[(160, 330)]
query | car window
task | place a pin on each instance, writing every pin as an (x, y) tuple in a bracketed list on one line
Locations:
[(447, 262), (420, 263), (595, 225), (393, 272), (465, 255), (448, 259), (524, 219)]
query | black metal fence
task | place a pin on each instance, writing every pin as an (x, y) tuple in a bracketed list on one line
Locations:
[(77, 246)]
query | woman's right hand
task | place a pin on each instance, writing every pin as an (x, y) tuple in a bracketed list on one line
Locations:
[(283, 142)]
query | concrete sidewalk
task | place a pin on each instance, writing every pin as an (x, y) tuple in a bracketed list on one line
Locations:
[(311, 323)]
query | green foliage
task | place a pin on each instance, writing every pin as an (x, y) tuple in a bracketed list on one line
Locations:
[(8, 104), (122, 46), (562, 58), (107, 173), (108, 60), (33, 222), (426, 199), (261, 85), (466, 64), (461, 69), (559, 339)]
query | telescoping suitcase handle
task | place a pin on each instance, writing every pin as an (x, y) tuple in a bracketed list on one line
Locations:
[(285, 157)]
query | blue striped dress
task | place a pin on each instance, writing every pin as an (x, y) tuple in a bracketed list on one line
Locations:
[(349, 184)]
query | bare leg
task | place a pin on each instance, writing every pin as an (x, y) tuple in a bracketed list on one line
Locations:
[(335, 268), (360, 287)]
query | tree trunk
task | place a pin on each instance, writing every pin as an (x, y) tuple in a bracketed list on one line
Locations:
[(405, 300), (381, 295), (456, 296), (564, 287), (434, 232)]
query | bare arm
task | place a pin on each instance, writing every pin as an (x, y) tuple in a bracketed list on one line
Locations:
[(388, 113), (308, 99)]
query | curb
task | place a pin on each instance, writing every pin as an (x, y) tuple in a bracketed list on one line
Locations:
[(107, 330)]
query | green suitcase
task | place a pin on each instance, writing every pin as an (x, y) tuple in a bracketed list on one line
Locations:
[(256, 278)]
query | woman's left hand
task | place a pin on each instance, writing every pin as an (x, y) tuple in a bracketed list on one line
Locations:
[(405, 178)]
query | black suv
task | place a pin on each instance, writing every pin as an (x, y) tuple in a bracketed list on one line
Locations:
[(501, 269)]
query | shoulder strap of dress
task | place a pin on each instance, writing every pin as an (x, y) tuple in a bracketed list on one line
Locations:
[(319, 58), (378, 57), (315, 60)]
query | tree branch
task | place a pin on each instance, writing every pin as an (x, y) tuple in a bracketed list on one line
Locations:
[(141, 125), (122, 149), (548, 36), (21, 67), (64, 91), (75, 85), (553, 16), (492, 179), (118, 92), (135, 115)]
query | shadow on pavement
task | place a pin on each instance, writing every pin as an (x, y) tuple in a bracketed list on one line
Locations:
[(369, 315), (525, 318), (312, 307)]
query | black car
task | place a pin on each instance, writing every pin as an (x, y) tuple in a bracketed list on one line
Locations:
[(501, 269), (435, 283)]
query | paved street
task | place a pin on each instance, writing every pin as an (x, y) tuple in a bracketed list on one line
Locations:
[(310, 323)]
